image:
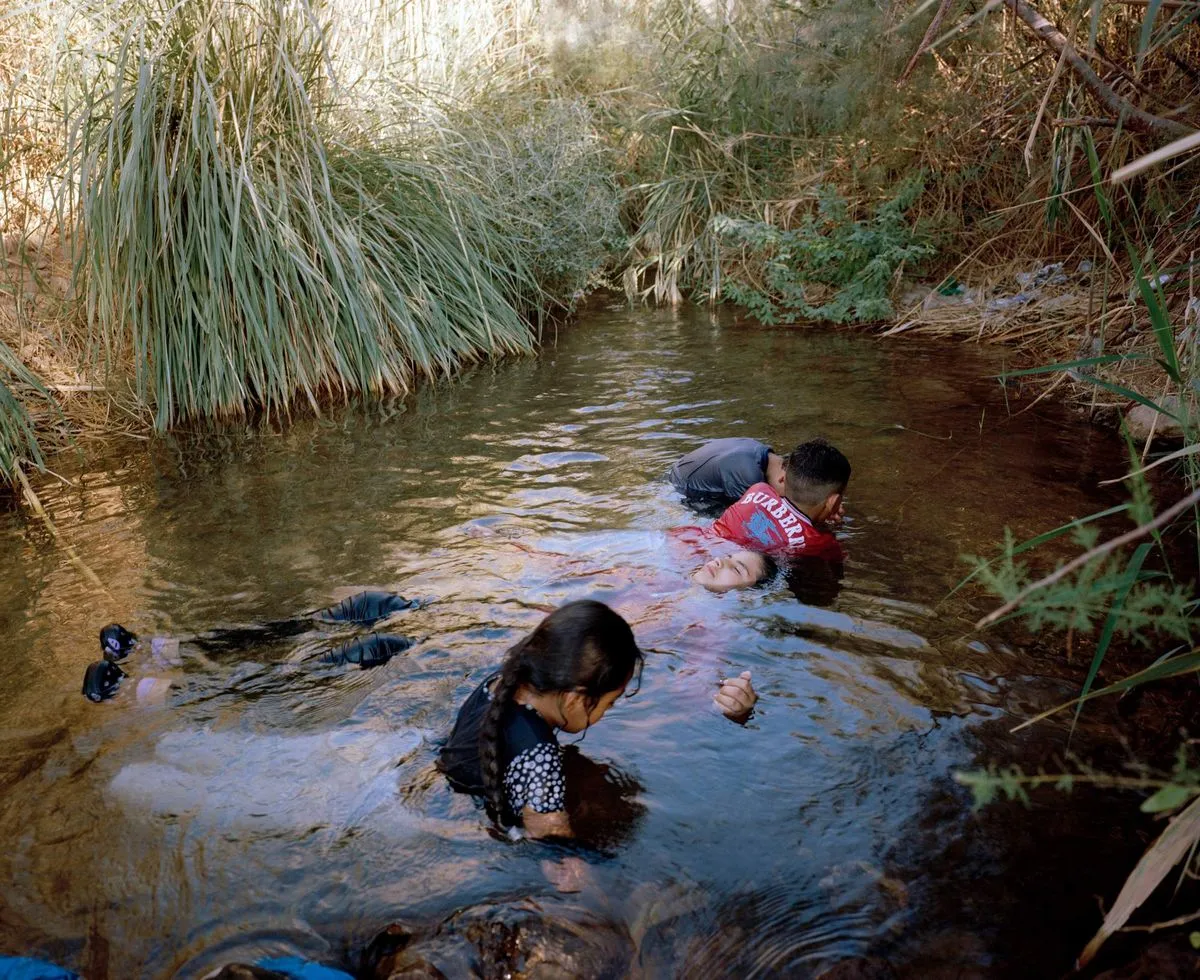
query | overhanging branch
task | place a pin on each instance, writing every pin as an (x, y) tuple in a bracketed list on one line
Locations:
[(1135, 118)]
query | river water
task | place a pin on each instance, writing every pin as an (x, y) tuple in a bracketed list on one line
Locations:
[(268, 804)]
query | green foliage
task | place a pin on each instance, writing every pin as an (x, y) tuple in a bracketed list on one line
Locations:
[(291, 200), (742, 100), (1117, 592), (246, 252), (1169, 791), (854, 259), (550, 178), (1152, 607)]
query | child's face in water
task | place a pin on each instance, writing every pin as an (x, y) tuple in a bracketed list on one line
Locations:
[(740, 570), (575, 713)]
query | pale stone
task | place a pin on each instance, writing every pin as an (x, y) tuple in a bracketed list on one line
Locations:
[(1142, 420)]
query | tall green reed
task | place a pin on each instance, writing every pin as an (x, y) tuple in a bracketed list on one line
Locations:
[(244, 252), (545, 166), (18, 430), (750, 110)]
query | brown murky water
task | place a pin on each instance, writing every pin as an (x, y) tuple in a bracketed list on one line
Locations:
[(271, 806)]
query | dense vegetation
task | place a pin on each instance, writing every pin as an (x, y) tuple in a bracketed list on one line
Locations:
[(294, 200), (217, 209)]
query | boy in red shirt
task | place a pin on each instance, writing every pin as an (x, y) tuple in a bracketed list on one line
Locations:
[(792, 524)]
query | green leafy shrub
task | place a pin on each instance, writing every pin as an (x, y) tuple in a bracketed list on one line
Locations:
[(848, 263), (1144, 606)]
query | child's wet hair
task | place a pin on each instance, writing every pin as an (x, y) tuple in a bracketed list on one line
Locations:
[(770, 568), (815, 469), (582, 646)]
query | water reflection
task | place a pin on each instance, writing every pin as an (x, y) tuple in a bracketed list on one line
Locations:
[(270, 807)]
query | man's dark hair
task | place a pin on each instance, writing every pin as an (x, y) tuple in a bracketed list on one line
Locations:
[(815, 469)]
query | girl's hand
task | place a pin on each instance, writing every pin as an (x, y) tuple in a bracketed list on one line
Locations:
[(736, 697)]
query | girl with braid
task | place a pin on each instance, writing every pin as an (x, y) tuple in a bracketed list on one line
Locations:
[(564, 675)]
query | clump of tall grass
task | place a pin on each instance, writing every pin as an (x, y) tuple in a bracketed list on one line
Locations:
[(550, 174), (18, 434), (242, 252), (748, 110)]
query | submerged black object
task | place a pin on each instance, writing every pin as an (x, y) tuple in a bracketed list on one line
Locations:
[(364, 608), (361, 609), (367, 651), (116, 642), (101, 680), (103, 677)]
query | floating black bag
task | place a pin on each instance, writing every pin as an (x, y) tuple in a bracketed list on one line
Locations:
[(364, 608)]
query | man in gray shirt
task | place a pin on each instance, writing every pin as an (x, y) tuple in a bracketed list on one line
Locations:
[(724, 469)]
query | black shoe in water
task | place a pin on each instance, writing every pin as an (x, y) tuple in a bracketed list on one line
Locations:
[(116, 642), (101, 680)]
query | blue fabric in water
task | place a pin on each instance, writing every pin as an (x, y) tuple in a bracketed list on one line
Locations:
[(24, 968), (368, 651), (299, 969)]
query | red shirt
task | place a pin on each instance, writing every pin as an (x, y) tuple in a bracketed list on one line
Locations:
[(764, 521)]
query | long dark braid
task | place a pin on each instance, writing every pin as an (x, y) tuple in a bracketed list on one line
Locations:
[(512, 675), (583, 646)]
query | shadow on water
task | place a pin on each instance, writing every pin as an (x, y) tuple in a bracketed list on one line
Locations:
[(261, 806)]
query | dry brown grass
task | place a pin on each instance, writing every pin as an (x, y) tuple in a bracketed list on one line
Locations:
[(40, 322), (1088, 316)]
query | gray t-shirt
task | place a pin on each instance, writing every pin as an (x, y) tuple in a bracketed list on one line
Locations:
[(722, 468)]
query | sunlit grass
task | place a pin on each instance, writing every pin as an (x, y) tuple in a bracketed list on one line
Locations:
[(243, 252)]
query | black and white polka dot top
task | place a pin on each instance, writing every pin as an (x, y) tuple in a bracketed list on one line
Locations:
[(529, 756)]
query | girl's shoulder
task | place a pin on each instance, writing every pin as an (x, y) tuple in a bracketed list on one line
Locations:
[(523, 729)]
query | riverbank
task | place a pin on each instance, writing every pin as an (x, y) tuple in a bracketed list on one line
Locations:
[(1064, 318), (432, 183)]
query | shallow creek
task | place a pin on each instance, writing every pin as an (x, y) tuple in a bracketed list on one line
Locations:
[(270, 804)]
